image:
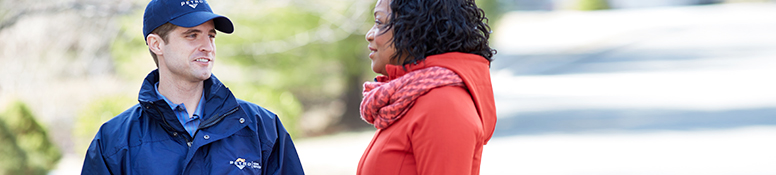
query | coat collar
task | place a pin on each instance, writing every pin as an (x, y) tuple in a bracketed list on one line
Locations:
[(213, 88), (450, 60), (219, 100)]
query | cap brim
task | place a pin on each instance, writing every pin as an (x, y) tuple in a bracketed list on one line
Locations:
[(193, 19)]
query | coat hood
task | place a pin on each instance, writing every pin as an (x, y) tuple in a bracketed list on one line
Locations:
[(475, 72)]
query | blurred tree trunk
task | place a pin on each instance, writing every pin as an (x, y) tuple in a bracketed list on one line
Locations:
[(357, 71), (351, 119)]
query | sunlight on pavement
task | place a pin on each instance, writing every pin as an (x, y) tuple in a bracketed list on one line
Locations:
[(696, 90), (333, 155), (710, 152)]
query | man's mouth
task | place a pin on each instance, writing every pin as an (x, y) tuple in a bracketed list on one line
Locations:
[(202, 60)]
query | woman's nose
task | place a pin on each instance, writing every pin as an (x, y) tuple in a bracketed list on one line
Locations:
[(370, 35)]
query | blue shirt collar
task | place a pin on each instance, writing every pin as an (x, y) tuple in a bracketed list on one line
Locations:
[(173, 106)]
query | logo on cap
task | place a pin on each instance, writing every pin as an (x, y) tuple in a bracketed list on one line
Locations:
[(192, 3)]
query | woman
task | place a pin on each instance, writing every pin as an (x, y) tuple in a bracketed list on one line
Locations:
[(433, 104)]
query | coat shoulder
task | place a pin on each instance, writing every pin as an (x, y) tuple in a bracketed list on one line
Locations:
[(256, 110), (115, 133), (451, 105), (448, 99)]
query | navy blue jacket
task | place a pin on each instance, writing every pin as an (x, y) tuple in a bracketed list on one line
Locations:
[(234, 137)]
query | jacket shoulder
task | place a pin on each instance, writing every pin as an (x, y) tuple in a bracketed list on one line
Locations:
[(451, 105), (121, 121), (268, 125), (113, 134), (265, 120), (256, 110), (449, 98)]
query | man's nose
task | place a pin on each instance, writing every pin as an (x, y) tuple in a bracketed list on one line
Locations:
[(207, 44)]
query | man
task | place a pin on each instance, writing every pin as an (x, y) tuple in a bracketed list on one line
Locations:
[(187, 122)]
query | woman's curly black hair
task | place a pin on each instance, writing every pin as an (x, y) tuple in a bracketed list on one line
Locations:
[(428, 27)]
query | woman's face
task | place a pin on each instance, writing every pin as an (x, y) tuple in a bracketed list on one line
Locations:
[(380, 40)]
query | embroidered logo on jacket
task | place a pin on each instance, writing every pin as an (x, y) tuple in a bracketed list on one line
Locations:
[(241, 163)]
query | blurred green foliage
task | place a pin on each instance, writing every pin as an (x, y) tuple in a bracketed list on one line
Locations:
[(494, 9), (90, 118), (314, 49), (25, 147), (589, 5), (13, 160), (307, 49)]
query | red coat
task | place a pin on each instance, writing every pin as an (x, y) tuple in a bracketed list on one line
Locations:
[(444, 131)]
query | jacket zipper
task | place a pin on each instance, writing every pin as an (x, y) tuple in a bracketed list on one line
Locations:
[(213, 121), (188, 141)]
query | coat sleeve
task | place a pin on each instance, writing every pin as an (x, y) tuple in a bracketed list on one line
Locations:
[(94, 163), (446, 138), (283, 159)]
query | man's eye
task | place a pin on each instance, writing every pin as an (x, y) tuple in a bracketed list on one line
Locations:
[(194, 35)]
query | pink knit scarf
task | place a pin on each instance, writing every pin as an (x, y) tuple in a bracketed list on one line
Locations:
[(386, 102)]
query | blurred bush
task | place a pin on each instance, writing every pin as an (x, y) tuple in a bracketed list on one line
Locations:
[(589, 5), (312, 49), (13, 160), (493, 9), (93, 115), (25, 147)]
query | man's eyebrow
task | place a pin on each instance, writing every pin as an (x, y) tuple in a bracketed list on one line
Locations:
[(192, 31), (212, 30)]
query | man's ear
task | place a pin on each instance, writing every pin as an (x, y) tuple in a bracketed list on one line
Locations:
[(155, 43)]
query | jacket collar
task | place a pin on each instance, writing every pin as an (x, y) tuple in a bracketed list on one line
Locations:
[(450, 60), (219, 100), (212, 88)]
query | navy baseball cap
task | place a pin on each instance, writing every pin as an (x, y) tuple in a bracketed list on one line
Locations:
[(184, 13)]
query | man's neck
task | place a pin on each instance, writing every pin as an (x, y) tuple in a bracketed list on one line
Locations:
[(178, 90)]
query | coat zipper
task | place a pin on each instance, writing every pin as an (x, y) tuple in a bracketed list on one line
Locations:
[(213, 121), (188, 142)]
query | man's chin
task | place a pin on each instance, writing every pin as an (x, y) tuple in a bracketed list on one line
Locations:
[(204, 76)]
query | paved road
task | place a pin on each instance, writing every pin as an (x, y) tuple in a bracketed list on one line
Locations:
[(682, 90), (679, 68)]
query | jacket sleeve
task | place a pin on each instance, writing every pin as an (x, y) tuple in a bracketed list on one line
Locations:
[(446, 138), (283, 159), (94, 163)]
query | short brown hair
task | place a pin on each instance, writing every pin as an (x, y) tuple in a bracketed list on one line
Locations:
[(163, 31)]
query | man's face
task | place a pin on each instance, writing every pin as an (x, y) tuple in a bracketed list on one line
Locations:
[(190, 53)]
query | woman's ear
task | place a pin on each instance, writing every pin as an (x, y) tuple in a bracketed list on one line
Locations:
[(155, 43)]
